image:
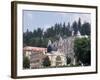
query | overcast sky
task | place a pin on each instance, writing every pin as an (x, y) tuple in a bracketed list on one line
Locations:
[(34, 19)]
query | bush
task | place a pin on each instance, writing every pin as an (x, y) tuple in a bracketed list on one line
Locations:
[(26, 62), (46, 62)]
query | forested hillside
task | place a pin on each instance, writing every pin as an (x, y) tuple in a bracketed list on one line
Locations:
[(39, 37)]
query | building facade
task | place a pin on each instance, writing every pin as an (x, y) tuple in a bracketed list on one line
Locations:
[(35, 55), (58, 52)]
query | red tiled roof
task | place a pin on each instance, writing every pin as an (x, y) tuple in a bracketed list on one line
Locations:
[(36, 49)]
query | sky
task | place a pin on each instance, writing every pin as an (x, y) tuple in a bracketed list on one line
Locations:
[(45, 19)]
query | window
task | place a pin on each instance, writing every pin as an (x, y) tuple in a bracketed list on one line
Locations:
[(58, 61)]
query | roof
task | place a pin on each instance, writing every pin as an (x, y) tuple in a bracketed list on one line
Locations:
[(35, 49)]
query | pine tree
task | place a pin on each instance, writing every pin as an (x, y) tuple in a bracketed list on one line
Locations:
[(79, 25)]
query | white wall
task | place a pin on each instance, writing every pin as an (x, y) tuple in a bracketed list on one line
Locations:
[(5, 40)]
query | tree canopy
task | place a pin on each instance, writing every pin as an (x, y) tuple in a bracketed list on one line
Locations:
[(39, 37), (82, 50)]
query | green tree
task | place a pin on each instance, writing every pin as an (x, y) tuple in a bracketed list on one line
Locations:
[(64, 29), (75, 27), (82, 50), (68, 30), (79, 24), (85, 30), (26, 37), (46, 62), (50, 32), (39, 32), (26, 62)]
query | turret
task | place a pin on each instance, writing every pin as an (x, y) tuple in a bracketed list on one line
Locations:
[(78, 34), (72, 33), (49, 47)]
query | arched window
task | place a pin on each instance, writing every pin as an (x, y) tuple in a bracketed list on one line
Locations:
[(58, 61), (68, 60), (58, 58)]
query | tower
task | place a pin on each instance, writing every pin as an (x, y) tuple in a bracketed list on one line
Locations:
[(60, 45), (72, 33), (49, 47), (78, 33)]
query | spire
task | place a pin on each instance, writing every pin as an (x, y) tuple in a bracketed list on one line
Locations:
[(60, 39), (72, 33), (78, 33), (49, 47), (49, 43), (60, 42)]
